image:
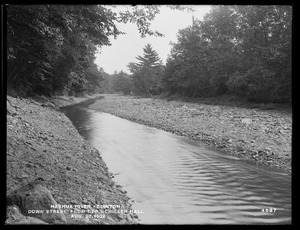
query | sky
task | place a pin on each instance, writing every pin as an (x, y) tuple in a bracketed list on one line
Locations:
[(125, 48)]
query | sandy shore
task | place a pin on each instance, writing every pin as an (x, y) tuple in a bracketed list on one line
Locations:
[(262, 136)]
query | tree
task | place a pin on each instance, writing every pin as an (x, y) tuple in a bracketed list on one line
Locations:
[(48, 42), (189, 60), (51, 46), (242, 50), (265, 33), (146, 73), (121, 82)]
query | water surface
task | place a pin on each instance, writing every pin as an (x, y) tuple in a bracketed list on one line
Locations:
[(175, 180)]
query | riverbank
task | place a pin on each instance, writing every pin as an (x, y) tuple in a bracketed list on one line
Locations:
[(261, 136), (49, 163), (61, 101)]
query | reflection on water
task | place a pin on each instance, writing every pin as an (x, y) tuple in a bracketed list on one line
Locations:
[(174, 180)]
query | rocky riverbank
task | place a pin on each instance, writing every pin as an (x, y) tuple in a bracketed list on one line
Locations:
[(53, 175), (262, 136)]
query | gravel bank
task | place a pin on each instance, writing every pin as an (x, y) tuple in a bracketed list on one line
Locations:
[(44, 147), (260, 136), (61, 101)]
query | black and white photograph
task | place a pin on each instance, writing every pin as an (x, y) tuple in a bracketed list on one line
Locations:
[(148, 114)]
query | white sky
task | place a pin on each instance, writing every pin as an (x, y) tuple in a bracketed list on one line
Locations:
[(125, 48)]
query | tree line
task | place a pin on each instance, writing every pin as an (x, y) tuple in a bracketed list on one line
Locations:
[(51, 48), (238, 50)]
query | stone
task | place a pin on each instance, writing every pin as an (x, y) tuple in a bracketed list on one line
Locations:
[(49, 104), (246, 121), (24, 175), (14, 216), (11, 110), (34, 196)]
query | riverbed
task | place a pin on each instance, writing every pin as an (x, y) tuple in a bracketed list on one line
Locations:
[(176, 180)]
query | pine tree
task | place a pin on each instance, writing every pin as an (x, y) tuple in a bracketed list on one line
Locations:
[(146, 73), (150, 57)]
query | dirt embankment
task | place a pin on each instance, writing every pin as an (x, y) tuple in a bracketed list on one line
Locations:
[(260, 136), (49, 163)]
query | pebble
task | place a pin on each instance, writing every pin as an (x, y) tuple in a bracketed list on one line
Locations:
[(14, 121), (247, 121), (24, 176), (43, 135)]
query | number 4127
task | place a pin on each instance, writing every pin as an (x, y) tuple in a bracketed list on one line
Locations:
[(269, 209)]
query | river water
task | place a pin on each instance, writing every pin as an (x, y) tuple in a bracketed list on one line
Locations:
[(175, 180)]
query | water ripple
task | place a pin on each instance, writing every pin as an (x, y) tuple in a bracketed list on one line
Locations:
[(178, 181)]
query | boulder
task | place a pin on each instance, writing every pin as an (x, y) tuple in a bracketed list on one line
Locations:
[(33, 200), (14, 216)]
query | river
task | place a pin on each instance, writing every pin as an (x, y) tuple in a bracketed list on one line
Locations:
[(175, 180)]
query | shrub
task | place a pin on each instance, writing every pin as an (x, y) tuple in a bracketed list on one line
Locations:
[(256, 84)]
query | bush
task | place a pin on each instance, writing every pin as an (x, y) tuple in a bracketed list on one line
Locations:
[(257, 84)]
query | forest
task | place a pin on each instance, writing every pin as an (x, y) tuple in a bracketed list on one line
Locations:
[(241, 50)]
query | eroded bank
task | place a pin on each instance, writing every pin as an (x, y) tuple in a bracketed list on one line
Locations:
[(49, 163)]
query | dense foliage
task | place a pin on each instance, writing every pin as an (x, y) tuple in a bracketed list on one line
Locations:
[(242, 50), (51, 48), (121, 82)]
